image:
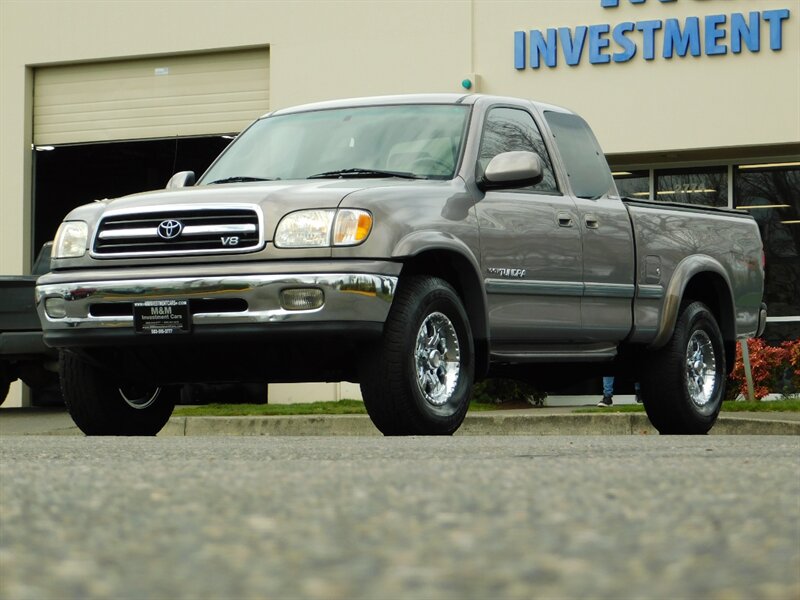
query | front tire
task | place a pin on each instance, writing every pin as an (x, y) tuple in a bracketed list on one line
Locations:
[(418, 381), (683, 383), (101, 406)]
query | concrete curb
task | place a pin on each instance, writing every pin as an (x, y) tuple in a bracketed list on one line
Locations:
[(478, 424), (744, 426), (501, 422), (295, 425)]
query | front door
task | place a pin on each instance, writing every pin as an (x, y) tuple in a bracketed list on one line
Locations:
[(530, 245)]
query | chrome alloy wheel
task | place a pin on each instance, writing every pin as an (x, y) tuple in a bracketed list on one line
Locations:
[(139, 397), (701, 368), (438, 358)]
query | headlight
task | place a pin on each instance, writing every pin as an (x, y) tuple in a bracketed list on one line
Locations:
[(323, 228), (305, 229), (71, 239)]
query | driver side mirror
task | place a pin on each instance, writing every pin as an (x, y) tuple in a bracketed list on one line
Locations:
[(512, 170), (182, 179)]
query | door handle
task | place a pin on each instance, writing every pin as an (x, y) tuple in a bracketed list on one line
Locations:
[(564, 219), (591, 222)]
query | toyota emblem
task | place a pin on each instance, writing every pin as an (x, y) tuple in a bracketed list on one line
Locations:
[(169, 229)]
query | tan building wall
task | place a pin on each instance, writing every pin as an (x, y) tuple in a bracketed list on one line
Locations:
[(329, 49)]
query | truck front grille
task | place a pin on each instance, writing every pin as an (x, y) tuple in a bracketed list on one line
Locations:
[(203, 230)]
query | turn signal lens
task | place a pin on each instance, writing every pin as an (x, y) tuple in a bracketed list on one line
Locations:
[(352, 227)]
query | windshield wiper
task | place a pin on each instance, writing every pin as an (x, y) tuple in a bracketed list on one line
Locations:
[(239, 179), (357, 172)]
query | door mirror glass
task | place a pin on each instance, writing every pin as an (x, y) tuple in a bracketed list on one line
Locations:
[(512, 170), (182, 179)]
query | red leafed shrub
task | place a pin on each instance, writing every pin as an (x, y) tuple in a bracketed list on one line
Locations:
[(776, 369)]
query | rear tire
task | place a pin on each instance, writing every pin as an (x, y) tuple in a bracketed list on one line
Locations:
[(101, 406), (419, 379), (683, 383)]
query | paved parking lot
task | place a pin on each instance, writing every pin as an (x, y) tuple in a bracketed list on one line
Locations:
[(369, 517)]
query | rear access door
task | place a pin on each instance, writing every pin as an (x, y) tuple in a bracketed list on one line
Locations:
[(606, 231)]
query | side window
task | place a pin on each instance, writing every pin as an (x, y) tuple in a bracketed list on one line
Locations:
[(511, 129), (586, 164)]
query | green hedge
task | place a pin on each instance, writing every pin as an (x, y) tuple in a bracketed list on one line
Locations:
[(499, 391)]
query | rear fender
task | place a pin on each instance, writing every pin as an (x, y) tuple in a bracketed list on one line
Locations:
[(689, 268)]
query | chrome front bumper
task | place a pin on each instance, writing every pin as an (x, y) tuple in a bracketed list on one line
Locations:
[(218, 300)]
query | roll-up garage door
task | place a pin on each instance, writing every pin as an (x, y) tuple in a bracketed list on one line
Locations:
[(168, 96)]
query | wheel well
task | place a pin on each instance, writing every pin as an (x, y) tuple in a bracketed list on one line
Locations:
[(712, 290), (458, 271)]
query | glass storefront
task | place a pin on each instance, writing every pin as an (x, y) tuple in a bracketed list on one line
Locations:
[(771, 193), (707, 186), (633, 184), (772, 196)]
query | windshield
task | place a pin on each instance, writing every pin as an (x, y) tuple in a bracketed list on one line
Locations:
[(412, 141)]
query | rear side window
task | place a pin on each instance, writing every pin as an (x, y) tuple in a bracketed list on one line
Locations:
[(512, 129), (586, 164)]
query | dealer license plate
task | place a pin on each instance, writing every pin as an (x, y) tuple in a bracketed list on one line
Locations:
[(161, 317)]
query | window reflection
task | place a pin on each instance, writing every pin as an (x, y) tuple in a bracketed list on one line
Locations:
[(772, 196), (706, 187), (511, 129), (423, 140), (633, 184), (587, 169)]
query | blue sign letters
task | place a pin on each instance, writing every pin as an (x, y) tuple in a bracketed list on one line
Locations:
[(615, 3), (710, 35)]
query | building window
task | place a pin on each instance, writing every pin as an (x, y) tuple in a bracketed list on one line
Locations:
[(633, 184), (771, 193), (706, 186)]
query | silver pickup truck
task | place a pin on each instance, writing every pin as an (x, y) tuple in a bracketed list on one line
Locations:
[(413, 244)]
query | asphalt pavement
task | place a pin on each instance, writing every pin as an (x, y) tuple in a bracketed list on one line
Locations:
[(470, 517), (531, 421)]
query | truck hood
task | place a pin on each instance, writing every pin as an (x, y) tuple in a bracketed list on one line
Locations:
[(285, 196), (274, 198)]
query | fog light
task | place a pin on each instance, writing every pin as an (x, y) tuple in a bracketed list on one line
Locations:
[(56, 308), (302, 298)]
